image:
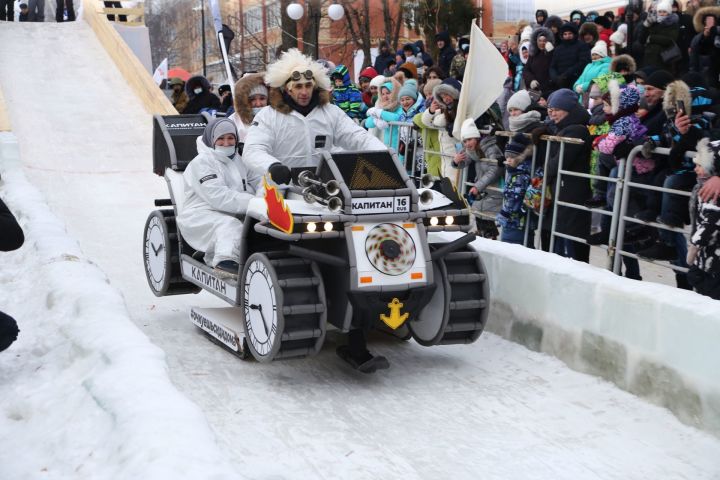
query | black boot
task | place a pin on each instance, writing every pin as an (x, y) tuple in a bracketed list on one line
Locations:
[(681, 279)]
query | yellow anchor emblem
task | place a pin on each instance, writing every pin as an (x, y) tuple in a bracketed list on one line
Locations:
[(395, 319)]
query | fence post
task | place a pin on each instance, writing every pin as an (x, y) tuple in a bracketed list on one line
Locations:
[(542, 192), (528, 215), (557, 193), (623, 209), (619, 187)]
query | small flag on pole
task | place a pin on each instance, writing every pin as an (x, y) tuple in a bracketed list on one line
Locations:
[(485, 73), (161, 72)]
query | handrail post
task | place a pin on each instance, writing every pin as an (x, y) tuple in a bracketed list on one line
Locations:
[(558, 181), (528, 215), (542, 190), (619, 187), (623, 209)]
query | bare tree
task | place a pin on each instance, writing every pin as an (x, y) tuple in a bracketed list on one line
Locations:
[(357, 15)]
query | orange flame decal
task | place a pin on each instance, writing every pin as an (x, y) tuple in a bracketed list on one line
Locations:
[(277, 210)]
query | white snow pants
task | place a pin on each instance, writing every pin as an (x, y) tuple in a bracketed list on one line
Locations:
[(217, 234)]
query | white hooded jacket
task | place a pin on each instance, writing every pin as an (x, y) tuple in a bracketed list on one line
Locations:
[(280, 134)]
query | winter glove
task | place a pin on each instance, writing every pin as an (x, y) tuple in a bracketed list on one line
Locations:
[(549, 47), (622, 149), (650, 19), (279, 173), (537, 133), (381, 124), (647, 148), (534, 85), (692, 254), (579, 89), (373, 112)]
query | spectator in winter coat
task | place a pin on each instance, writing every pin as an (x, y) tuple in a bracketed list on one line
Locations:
[(660, 33), (457, 67), (706, 45), (446, 51), (251, 95), (523, 116), (429, 136), (604, 27), (685, 35), (178, 98), (541, 17), (366, 76), (487, 158), (11, 238), (536, 72), (569, 58), (567, 118), (384, 57), (345, 94), (553, 23), (422, 54), (577, 18), (386, 109), (600, 64), (201, 98), (588, 33), (441, 116), (513, 216), (226, 99), (704, 251)]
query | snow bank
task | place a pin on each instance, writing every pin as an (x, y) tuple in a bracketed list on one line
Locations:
[(85, 393), (655, 341)]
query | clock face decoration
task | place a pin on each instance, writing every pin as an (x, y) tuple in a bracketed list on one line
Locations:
[(260, 306), (155, 253)]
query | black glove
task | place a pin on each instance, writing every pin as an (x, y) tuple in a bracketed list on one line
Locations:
[(622, 149), (279, 173), (537, 133), (647, 148)]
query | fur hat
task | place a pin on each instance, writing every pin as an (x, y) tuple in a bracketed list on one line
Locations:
[(409, 68), (449, 86), (520, 100), (623, 62), (517, 145), (429, 86), (589, 28), (409, 89), (664, 5), (216, 128), (708, 156), (674, 92), (600, 49), (701, 14), (279, 72), (563, 99), (469, 130)]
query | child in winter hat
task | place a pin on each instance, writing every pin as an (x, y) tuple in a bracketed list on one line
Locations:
[(519, 116), (600, 65), (625, 127), (704, 250), (513, 214)]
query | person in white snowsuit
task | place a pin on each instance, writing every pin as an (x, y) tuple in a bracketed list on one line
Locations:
[(302, 122), (218, 188), (299, 124)]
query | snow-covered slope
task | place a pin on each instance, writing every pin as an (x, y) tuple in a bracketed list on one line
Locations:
[(85, 395)]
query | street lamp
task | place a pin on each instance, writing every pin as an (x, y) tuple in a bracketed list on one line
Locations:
[(295, 11)]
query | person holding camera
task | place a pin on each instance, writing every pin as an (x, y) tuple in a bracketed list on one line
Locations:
[(11, 238)]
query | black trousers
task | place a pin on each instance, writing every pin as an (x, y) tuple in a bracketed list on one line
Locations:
[(8, 331), (7, 11), (61, 5)]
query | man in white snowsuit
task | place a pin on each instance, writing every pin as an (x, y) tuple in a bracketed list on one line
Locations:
[(218, 188), (300, 124)]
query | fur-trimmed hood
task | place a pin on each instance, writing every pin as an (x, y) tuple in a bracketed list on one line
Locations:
[(589, 28), (553, 21), (708, 156), (623, 61), (703, 12), (242, 92), (677, 90), (277, 101), (540, 31)]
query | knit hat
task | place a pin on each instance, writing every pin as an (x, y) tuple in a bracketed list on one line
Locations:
[(517, 145), (563, 99), (469, 130), (258, 90), (464, 44), (216, 128), (600, 49), (659, 79), (603, 21), (279, 73), (449, 86), (409, 89), (430, 85), (378, 81), (369, 73), (664, 6), (409, 68), (223, 88), (708, 156), (619, 36), (388, 85), (526, 34), (176, 81), (568, 27), (520, 100)]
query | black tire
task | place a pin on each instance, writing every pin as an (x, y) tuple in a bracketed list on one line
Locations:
[(161, 256)]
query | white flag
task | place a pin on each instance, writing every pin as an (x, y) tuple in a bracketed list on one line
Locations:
[(485, 73), (161, 72)]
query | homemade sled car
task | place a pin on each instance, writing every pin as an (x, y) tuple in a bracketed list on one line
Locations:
[(348, 242)]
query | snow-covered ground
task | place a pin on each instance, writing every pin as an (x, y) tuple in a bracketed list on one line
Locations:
[(106, 381)]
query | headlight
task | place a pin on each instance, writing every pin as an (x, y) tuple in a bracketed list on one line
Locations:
[(328, 226), (434, 221), (449, 220), (311, 227)]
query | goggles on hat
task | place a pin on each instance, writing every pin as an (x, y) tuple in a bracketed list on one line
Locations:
[(295, 76)]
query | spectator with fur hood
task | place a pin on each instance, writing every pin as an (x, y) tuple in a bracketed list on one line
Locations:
[(553, 23), (251, 95), (588, 33), (705, 46), (446, 52), (441, 116), (201, 98), (569, 58), (536, 72)]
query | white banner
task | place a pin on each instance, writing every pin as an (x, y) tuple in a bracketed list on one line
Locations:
[(485, 73), (161, 72)]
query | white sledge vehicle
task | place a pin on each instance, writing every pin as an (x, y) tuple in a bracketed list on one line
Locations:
[(348, 241)]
